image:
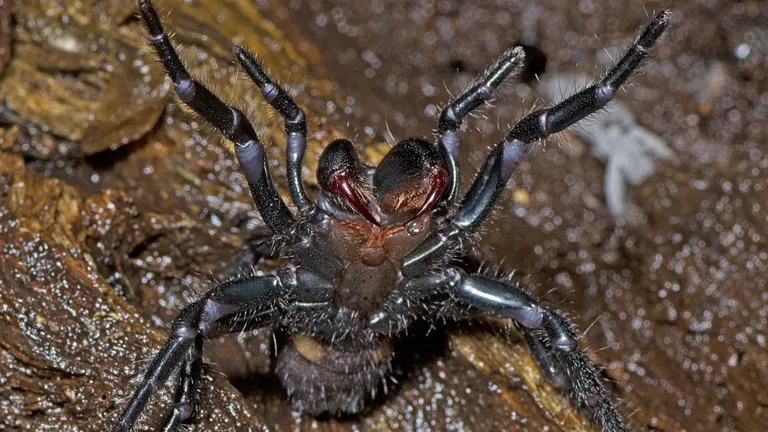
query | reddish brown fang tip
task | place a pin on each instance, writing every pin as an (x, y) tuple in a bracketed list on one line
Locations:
[(342, 185), (438, 180)]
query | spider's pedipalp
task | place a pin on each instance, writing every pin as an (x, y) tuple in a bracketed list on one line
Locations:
[(452, 116)]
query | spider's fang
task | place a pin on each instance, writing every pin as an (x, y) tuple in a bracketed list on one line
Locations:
[(341, 183), (438, 180)]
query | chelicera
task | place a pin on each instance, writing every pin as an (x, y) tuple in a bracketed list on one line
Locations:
[(376, 250)]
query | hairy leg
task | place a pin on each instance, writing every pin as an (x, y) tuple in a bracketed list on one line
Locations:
[(507, 155), (295, 124), (245, 303), (452, 116), (552, 339), (230, 121)]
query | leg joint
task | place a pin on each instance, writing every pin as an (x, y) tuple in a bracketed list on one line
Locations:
[(186, 89), (604, 93), (186, 332)]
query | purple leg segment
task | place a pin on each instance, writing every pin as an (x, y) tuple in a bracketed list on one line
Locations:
[(295, 124), (245, 303), (452, 116), (228, 120)]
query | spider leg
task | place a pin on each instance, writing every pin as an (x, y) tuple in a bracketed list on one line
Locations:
[(507, 155), (543, 122), (487, 295), (551, 338), (228, 120), (584, 387), (295, 124), (245, 303), (452, 116), (186, 400), (500, 299), (546, 363)]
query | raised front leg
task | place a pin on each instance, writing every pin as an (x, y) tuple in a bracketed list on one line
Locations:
[(246, 303), (541, 123), (508, 154), (230, 121)]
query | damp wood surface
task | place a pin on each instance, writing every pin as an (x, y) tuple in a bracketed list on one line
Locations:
[(117, 206)]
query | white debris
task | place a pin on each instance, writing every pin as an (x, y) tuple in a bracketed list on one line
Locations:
[(628, 149)]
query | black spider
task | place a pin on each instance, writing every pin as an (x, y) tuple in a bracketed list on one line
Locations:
[(376, 252)]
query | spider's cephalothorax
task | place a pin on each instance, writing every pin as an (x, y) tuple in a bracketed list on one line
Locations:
[(375, 251)]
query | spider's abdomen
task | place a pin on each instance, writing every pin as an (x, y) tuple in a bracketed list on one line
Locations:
[(332, 378)]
